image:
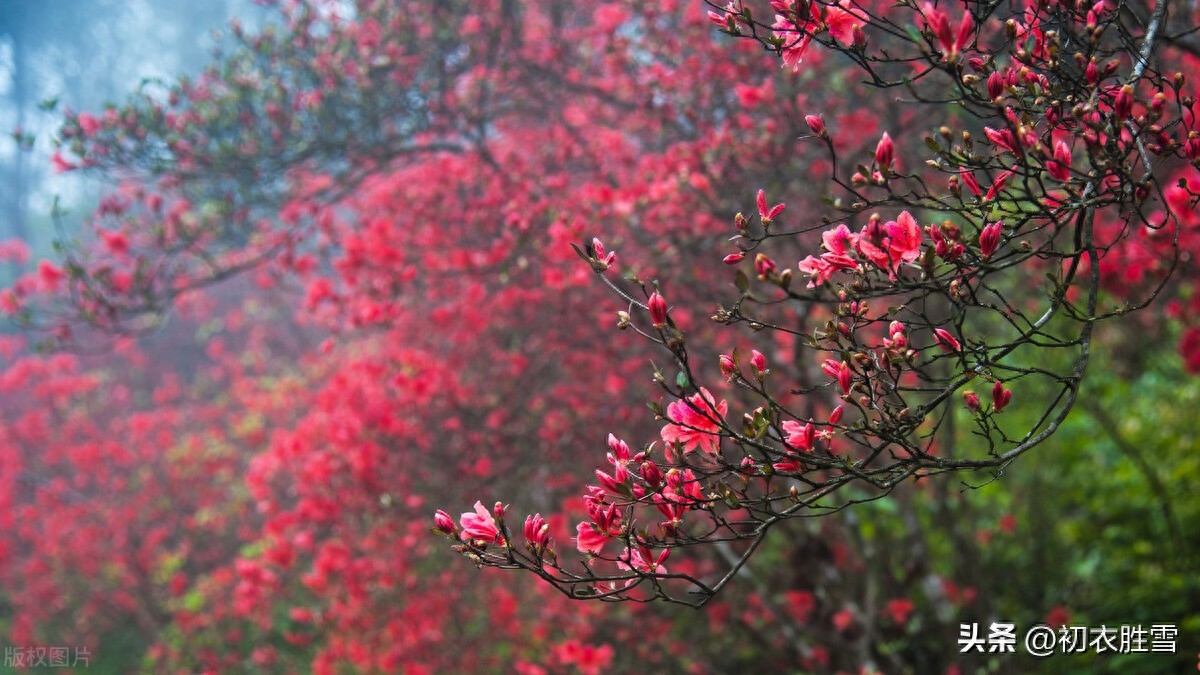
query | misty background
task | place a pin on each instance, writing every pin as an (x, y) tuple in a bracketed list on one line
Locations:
[(60, 55)]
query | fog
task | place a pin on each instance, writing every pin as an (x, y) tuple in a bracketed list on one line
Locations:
[(59, 56)]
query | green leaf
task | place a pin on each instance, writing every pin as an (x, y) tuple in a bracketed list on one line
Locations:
[(741, 281)]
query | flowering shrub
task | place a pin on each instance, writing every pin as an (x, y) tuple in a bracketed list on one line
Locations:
[(362, 223)]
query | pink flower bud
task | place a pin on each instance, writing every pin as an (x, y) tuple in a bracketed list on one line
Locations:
[(619, 450), (1123, 103), (728, 367), (946, 341), (995, 86), (1060, 167), (966, 30), (652, 475), (884, 153), (1000, 396), (835, 417), (1192, 148), (843, 377), (734, 258), (443, 522), (989, 239), (972, 400), (498, 510), (860, 38), (610, 483), (765, 213), (537, 531), (604, 259), (763, 265), (658, 310), (758, 361), (816, 124), (968, 179)]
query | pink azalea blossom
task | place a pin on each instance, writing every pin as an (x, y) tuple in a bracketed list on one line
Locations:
[(840, 371), (587, 659), (88, 124), (480, 526), (682, 487), (899, 610), (905, 237), (789, 464), (799, 436), (1002, 138), (605, 524), (952, 43), (61, 165), (588, 539), (843, 19), (890, 244), (795, 40), (765, 213), (840, 240), (640, 559), (820, 270), (695, 423)]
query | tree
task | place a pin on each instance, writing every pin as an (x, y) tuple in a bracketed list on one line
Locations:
[(1078, 118), (406, 182)]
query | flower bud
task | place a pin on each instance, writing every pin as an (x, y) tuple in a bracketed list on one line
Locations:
[(972, 400), (1000, 396), (989, 239), (946, 340), (443, 522), (728, 367), (836, 416), (759, 362), (604, 258), (658, 310), (763, 265), (652, 475), (884, 154), (816, 125), (995, 86), (1123, 103)]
